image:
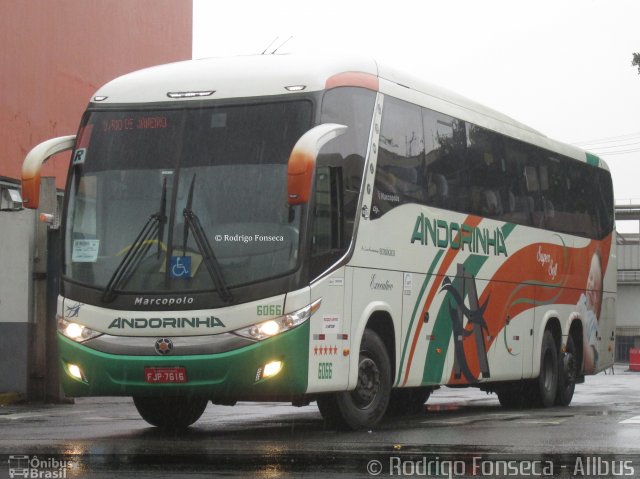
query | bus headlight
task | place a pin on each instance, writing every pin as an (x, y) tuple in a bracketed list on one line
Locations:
[(272, 327), (76, 331)]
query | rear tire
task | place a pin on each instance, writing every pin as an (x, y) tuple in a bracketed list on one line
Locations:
[(546, 386), (170, 413), (367, 403), (567, 374)]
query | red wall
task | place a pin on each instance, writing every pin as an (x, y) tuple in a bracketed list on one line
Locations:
[(55, 53)]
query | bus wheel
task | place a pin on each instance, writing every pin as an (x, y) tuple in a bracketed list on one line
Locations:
[(407, 401), (546, 387), (568, 370), (367, 403), (170, 413)]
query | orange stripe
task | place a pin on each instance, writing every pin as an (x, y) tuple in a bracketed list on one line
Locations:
[(471, 221), (359, 79)]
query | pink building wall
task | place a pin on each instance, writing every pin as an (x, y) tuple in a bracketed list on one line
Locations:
[(54, 54)]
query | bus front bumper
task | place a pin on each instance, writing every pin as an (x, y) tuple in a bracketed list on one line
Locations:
[(232, 375)]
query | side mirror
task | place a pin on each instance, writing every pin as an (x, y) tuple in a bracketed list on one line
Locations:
[(32, 166), (302, 161)]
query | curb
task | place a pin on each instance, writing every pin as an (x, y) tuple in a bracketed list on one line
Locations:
[(7, 399)]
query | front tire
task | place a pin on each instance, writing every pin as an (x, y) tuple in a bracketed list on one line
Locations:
[(170, 413), (367, 403)]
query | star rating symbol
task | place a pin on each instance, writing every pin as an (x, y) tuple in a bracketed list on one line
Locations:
[(324, 350)]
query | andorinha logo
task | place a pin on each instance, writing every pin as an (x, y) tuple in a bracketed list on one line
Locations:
[(458, 236), (155, 323)]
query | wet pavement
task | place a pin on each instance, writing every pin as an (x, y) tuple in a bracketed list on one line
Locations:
[(463, 428)]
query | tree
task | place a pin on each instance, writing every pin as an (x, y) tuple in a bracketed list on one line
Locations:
[(636, 61)]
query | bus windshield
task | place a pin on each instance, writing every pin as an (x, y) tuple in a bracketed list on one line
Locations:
[(190, 199)]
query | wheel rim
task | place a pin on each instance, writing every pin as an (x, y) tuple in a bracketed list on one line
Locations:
[(368, 384)]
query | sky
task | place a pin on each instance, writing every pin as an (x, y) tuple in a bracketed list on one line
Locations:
[(562, 67)]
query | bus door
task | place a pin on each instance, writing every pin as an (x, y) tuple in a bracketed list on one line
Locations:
[(329, 335), (330, 325)]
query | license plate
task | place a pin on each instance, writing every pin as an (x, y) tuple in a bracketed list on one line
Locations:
[(165, 375)]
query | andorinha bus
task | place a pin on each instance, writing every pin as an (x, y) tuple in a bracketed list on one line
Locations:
[(296, 229)]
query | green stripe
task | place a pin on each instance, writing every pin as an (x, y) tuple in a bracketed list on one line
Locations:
[(507, 228), (415, 311), (536, 302), (231, 374)]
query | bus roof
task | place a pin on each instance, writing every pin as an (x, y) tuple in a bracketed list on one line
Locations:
[(231, 77), (266, 75)]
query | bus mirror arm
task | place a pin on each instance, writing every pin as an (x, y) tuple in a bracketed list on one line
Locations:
[(302, 160), (32, 167)]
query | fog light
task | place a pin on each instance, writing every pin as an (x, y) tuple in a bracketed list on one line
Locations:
[(75, 372), (272, 368), (269, 370)]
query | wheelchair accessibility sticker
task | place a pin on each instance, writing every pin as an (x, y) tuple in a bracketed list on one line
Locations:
[(180, 267)]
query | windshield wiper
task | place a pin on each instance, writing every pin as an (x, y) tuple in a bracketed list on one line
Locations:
[(192, 223), (162, 216), (139, 248)]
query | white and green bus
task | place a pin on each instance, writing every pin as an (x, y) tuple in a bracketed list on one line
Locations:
[(283, 228)]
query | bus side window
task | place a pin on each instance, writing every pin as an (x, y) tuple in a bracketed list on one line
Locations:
[(446, 181), (342, 162), (488, 178), (604, 217), (400, 168)]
